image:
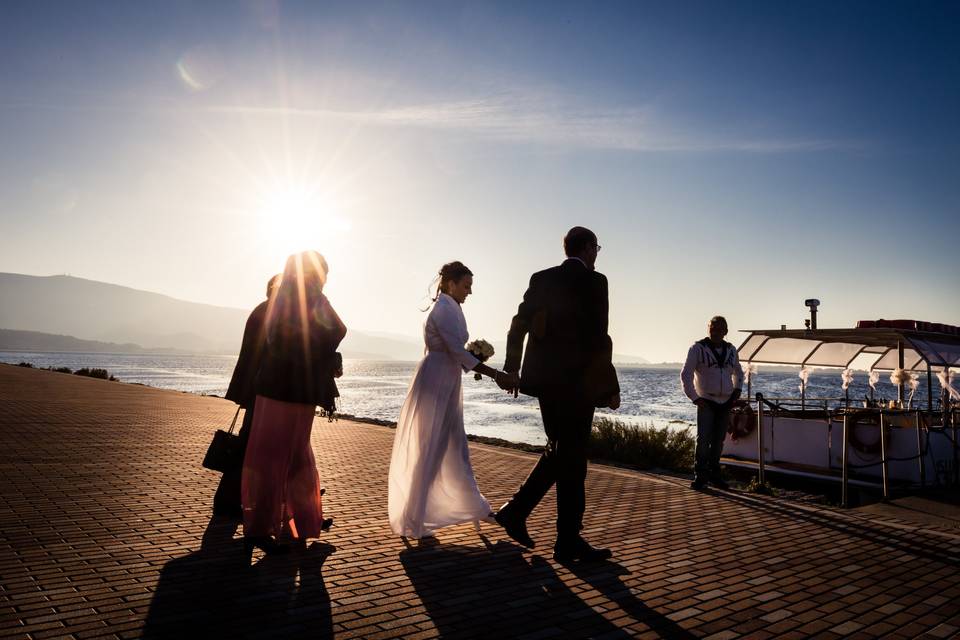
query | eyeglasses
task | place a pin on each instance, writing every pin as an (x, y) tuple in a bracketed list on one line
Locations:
[(597, 247)]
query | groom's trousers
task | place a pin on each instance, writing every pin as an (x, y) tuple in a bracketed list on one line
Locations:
[(563, 462)]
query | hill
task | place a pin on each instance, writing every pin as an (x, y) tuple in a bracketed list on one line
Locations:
[(74, 312), (12, 340)]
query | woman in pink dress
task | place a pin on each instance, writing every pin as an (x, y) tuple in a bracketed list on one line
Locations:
[(280, 484)]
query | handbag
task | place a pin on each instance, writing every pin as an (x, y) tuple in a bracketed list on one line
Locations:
[(226, 451)]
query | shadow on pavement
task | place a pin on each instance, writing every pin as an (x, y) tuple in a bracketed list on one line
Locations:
[(605, 577), (914, 543), (496, 591), (215, 591)]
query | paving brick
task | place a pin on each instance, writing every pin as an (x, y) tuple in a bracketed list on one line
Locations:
[(944, 631), (105, 530)]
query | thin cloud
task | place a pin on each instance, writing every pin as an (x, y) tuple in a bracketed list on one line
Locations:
[(544, 122), (518, 120)]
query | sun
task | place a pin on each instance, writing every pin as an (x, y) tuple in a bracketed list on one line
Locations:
[(295, 217)]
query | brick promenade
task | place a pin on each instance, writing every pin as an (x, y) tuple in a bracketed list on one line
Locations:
[(105, 530)]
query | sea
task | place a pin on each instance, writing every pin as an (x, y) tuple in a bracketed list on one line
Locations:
[(376, 389)]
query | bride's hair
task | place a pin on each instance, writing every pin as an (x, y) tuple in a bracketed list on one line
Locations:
[(450, 272)]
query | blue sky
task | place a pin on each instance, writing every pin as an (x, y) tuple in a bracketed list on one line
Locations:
[(733, 157)]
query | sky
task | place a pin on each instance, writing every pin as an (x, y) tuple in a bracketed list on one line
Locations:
[(733, 158)]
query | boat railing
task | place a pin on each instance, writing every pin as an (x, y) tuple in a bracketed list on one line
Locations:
[(834, 403), (923, 421)]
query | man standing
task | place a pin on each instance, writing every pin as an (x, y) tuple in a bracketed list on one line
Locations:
[(568, 367), (226, 501), (712, 379)]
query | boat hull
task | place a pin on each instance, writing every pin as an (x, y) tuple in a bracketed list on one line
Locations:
[(817, 444)]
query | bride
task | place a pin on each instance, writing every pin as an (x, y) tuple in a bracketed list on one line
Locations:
[(431, 480)]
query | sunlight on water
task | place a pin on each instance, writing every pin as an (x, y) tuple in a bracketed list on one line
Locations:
[(376, 389)]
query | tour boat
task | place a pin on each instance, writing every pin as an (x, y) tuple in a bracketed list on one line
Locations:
[(899, 443)]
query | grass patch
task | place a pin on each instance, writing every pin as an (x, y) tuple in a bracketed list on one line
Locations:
[(764, 489), (101, 374), (645, 446)]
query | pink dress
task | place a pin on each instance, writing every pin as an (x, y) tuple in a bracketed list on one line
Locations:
[(280, 480)]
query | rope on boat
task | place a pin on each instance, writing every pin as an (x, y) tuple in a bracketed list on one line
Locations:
[(923, 454)]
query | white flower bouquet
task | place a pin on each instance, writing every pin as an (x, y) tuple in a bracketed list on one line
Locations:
[(481, 350)]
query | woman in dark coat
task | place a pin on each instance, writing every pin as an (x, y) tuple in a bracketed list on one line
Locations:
[(280, 484)]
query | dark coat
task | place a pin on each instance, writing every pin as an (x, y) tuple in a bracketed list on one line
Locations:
[(242, 389), (300, 359), (569, 353)]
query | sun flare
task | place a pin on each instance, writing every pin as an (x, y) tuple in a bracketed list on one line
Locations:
[(297, 218)]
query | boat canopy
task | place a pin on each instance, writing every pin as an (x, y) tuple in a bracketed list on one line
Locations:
[(862, 348)]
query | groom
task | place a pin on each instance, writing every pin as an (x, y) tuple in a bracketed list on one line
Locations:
[(567, 367)]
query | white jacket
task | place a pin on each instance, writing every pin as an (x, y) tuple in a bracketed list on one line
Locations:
[(703, 377)]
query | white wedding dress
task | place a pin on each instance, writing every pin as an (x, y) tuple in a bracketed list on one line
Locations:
[(431, 479)]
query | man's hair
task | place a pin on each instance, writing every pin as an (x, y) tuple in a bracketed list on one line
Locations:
[(578, 239), (720, 320)]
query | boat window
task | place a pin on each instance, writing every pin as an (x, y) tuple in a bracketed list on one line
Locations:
[(938, 352), (747, 348), (834, 354), (911, 360), (785, 350), (864, 361)]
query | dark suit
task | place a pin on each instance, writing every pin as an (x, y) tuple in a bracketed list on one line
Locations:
[(226, 501), (567, 366)]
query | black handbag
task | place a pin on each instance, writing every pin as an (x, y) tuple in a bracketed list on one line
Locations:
[(226, 450)]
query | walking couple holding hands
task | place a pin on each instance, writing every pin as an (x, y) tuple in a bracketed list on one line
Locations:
[(288, 365), (566, 365)]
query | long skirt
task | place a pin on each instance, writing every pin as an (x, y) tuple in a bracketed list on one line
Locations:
[(431, 481), (280, 481)]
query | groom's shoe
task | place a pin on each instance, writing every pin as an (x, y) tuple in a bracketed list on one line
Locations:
[(579, 550), (516, 529)]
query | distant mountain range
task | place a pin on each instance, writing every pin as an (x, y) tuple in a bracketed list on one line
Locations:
[(64, 313), (12, 340)]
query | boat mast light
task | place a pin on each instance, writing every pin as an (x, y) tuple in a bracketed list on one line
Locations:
[(812, 303)]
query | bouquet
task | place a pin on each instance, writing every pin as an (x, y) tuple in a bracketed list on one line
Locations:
[(481, 350)]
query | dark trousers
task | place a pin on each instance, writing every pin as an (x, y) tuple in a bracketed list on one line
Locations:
[(226, 501), (563, 462), (712, 419)]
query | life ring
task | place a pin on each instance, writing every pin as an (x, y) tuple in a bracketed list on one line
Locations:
[(742, 422), (868, 449)]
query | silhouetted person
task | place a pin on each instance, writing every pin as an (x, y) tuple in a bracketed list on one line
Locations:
[(214, 592), (568, 367), (242, 390), (712, 379), (461, 604), (280, 485)]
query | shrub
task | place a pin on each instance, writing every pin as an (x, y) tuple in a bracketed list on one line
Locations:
[(28, 365), (60, 369), (645, 446), (763, 489), (102, 374)]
